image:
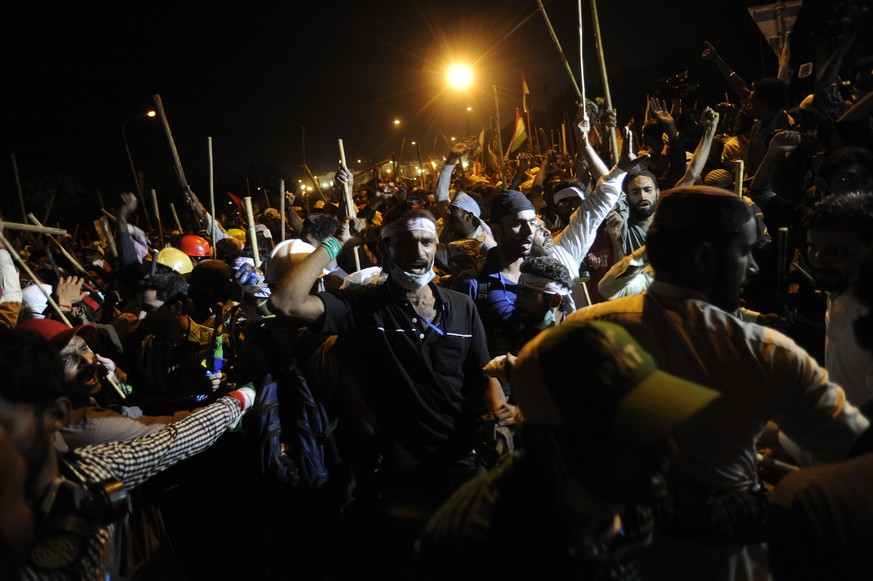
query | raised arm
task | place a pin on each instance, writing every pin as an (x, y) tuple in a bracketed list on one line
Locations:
[(126, 251), (577, 238), (444, 180), (294, 219), (694, 171), (213, 226), (292, 295), (733, 79), (584, 149), (783, 142)]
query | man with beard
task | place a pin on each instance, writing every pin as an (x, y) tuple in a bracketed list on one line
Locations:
[(76, 499), (416, 353), (493, 285), (573, 244), (628, 224), (839, 232), (700, 245), (90, 423)]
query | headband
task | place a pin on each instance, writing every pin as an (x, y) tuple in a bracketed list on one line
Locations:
[(466, 203), (565, 193), (542, 284), (408, 225)]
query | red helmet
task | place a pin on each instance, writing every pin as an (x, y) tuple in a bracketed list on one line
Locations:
[(194, 245)]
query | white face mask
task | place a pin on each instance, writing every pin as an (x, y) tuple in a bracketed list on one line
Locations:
[(409, 280)]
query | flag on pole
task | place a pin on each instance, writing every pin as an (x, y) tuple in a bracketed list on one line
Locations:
[(519, 135), (490, 160), (525, 93), (236, 199)]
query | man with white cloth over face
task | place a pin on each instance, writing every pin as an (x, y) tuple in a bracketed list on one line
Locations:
[(416, 352)]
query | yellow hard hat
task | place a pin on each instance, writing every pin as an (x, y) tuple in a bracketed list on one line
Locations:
[(238, 234), (175, 259)]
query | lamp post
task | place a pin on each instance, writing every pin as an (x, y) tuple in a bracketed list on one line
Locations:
[(396, 123), (420, 169), (132, 167)]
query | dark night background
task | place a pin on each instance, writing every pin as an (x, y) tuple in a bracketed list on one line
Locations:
[(257, 78)]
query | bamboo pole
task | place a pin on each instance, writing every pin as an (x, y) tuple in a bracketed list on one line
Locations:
[(48, 210), (177, 163), (18, 188), (499, 136), (252, 233), (63, 250), (315, 183), (350, 202), (23, 265), (613, 140), (282, 208), (560, 50), (584, 101), (176, 218), (158, 222), (212, 226), (738, 178), (110, 239), (35, 229)]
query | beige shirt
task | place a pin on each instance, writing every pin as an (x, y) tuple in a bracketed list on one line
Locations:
[(762, 374)]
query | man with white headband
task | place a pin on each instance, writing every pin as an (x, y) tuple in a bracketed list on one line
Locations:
[(464, 220), (414, 352), (543, 295)]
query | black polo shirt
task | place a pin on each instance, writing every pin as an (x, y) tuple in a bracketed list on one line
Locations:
[(425, 385)]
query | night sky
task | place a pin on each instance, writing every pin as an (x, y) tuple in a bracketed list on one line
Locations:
[(257, 79)]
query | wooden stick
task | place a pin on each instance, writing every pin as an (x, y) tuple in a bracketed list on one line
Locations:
[(49, 208), (18, 187), (738, 178), (282, 208), (350, 202), (157, 212), (315, 183), (560, 50), (176, 218), (110, 239), (60, 246), (583, 101), (252, 233), (613, 140), (499, 136), (180, 173), (23, 265), (212, 227), (35, 229)]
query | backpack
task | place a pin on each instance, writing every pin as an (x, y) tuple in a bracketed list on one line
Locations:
[(294, 432), (289, 428)]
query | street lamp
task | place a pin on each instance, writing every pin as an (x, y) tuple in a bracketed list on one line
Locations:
[(459, 76), (132, 167)]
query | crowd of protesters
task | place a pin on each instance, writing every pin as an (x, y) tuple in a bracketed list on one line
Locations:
[(654, 362)]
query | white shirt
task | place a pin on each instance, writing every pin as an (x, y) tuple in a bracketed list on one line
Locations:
[(572, 244), (848, 363)]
